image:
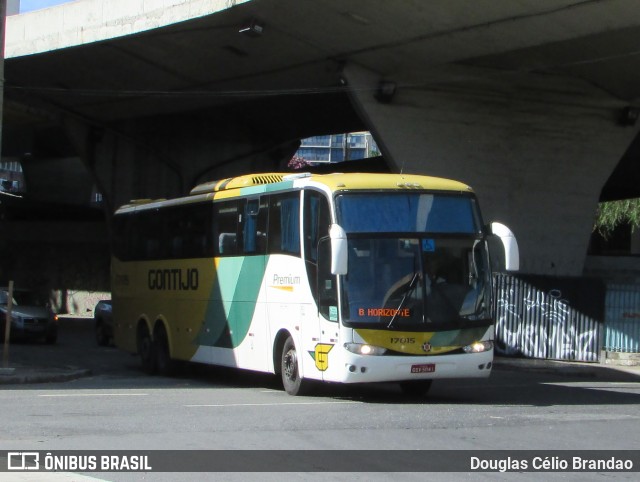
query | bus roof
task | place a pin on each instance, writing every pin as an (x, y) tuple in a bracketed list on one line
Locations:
[(333, 182), (337, 181)]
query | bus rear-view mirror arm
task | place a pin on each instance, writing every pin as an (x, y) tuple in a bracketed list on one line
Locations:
[(503, 248), (339, 250)]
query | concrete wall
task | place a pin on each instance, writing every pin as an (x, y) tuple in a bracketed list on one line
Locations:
[(537, 150)]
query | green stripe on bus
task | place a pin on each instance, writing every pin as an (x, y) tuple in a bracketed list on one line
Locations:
[(232, 304)]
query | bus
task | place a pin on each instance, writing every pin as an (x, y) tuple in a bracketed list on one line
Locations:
[(348, 278)]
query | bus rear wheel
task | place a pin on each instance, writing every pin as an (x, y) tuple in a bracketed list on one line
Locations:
[(147, 351), (290, 370), (165, 365)]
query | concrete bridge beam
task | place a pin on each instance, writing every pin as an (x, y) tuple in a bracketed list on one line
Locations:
[(536, 149), (167, 157)]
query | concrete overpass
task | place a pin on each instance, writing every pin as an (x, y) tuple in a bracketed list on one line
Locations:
[(532, 103)]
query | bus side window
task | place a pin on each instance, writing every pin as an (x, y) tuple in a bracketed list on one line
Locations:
[(148, 235), (316, 223), (199, 239), (226, 228), (327, 297), (316, 226), (255, 226), (188, 231), (284, 223), (317, 254), (174, 221), (121, 238)]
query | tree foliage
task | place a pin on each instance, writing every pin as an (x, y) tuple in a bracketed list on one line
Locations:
[(612, 214), (298, 162)]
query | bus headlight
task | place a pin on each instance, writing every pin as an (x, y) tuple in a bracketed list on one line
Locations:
[(478, 347), (363, 349)]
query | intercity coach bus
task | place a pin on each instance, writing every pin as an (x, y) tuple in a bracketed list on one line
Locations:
[(351, 278)]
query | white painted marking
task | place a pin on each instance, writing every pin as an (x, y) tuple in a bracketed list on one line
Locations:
[(60, 395), (268, 404)]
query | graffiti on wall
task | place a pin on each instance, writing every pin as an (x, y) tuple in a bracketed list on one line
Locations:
[(538, 319)]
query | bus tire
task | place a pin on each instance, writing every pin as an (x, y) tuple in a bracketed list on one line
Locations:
[(164, 363), (290, 370), (147, 351), (416, 388)]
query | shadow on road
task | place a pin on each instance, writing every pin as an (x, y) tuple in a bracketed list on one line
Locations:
[(513, 382)]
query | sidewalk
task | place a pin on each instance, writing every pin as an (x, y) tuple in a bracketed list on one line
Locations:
[(17, 374), (567, 368)]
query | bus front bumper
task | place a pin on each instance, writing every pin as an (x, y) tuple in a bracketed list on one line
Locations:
[(370, 369)]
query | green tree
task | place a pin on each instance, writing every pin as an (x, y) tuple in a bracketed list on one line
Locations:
[(612, 214)]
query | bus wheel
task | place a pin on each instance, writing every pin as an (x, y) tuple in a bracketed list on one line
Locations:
[(164, 364), (146, 350), (290, 371), (416, 388)]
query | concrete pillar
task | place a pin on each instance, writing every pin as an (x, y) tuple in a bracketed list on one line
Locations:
[(635, 241), (536, 149)]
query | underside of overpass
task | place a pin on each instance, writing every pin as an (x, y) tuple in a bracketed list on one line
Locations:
[(530, 102)]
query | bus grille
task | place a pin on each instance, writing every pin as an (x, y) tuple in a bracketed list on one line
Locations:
[(266, 178)]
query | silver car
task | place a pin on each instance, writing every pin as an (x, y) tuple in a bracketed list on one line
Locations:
[(30, 318)]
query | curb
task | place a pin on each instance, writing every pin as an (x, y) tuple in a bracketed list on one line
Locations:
[(44, 375), (573, 369)]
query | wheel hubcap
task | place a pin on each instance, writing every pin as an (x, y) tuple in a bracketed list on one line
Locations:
[(290, 365)]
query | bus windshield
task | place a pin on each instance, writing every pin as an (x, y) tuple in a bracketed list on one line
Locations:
[(408, 212), (415, 261)]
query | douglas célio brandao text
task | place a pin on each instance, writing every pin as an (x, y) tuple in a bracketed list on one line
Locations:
[(550, 464)]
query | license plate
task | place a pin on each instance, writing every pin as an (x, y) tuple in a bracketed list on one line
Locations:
[(426, 368)]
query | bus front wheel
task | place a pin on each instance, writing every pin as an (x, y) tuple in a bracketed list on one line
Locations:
[(290, 370)]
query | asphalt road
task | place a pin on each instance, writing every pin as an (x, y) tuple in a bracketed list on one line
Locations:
[(120, 408)]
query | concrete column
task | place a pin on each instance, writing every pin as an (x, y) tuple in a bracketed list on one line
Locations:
[(635, 242), (536, 149)]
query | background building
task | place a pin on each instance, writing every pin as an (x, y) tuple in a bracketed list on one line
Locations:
[(338, 147), (11, 176)]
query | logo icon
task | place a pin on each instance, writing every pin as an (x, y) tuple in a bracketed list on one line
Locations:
[(321, 356), (23, 461), (426, 347)]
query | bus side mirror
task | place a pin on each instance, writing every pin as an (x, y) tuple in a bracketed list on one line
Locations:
[(339, 250), (503, 248)]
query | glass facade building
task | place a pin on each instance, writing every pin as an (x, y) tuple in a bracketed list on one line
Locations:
[(337, 147)]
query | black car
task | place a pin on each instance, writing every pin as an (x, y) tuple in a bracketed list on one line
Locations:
[(104, 322), (31, 318)]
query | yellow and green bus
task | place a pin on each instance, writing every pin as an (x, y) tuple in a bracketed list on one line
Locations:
[(352, 278)]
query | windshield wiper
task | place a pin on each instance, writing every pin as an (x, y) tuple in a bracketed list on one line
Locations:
[(408, 291)]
